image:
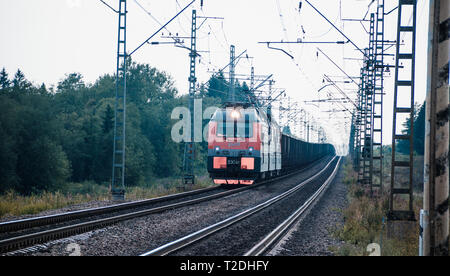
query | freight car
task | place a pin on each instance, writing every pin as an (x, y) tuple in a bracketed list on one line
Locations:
[(245, 145)]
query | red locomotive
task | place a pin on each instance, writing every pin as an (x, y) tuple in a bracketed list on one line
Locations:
[(245, 145)]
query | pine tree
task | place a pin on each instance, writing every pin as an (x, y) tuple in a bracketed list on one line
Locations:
[(419, 132), (20, 83), (4, 81), (108, 120)]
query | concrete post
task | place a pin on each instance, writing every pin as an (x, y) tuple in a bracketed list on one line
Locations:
[(436, 195)]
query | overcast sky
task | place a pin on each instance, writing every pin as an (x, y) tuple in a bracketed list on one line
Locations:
[(47, 39)]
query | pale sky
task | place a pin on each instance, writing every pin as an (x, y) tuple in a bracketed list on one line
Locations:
[(47, 39)]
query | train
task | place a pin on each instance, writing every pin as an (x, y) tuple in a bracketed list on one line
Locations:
[(245, 146)]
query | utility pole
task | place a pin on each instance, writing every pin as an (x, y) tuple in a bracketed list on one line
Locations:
[(436, 195), (231, 91), (296, 124), (289, 108), (352, 141), (303, 122), (368, 176), (404, 88), (119, 142), (378, 94), (366, 112), (189, 151), (280, 114), (269, 107), (358, 126), (252, 79), (118, 170), (308, 126)]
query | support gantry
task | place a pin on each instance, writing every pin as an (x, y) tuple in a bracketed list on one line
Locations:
[(401, 187), (378, 97), (118, 170), (189, 151)]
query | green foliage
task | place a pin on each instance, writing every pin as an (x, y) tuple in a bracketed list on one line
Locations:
[(31, 157), (20, 83), (54, 137), (4, 81), (419, 132), (363, 222), (72, 82), (218, 87)]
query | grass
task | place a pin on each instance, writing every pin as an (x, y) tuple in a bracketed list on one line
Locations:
[(13, 204), (364, 223)]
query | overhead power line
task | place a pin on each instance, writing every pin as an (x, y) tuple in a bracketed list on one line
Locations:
[(106, 4), (321, 14), (164, 26), (338, 67)]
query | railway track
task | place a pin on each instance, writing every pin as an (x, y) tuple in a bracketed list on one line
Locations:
[(23, 224), (267, 241), (44, 229), (278, 233)]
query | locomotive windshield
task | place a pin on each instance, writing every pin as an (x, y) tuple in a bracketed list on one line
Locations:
[(235, 123)]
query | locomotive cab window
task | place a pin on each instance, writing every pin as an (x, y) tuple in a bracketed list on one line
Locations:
[(234, 123)]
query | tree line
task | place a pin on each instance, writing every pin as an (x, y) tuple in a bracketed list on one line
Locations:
[(51, 136)]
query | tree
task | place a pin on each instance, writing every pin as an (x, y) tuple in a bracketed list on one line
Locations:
[(43, 90), (20, 84), (218, 87), (72, 82), (4, 81), (8, 146), (49, 137), (108, 120), (419, 132)]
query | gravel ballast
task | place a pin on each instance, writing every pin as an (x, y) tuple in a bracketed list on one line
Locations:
[(239, 238), (137, 236), (313, 234)]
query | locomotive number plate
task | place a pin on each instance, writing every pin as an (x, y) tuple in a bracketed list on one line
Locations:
[(234, 162)]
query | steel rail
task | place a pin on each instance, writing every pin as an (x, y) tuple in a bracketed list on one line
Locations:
[(22, 224), (194, 237), (276, 234), (19, 242)]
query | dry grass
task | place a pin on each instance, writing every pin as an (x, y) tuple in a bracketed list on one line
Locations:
[(365, 223), (13, 204), (165, 187)]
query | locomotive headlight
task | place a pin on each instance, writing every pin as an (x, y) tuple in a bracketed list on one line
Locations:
[(217, 148), (250, 149), (235, 114)]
